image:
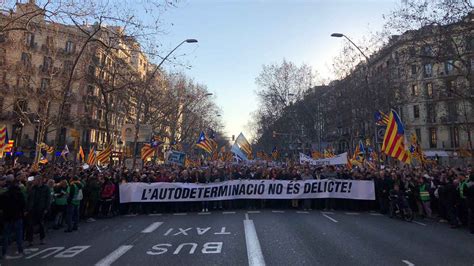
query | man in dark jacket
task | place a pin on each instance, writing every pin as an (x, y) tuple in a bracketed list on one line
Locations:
[(469, 193), (39, 199), (13, 207)]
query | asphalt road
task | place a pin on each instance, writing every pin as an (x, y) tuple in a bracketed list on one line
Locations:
[(254, 238)]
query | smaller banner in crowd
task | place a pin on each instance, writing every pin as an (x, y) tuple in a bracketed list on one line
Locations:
[(340, 159), (176, 157), (247, 189)]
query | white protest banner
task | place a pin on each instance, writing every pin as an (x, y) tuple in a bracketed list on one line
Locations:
[(247, 189), (336, 160)]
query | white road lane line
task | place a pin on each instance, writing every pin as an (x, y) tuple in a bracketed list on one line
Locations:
[(375, 214), (278, 211), (204, 213), (246, 216), (228, 212), (254, 252), (422, 224), (152, 227), (115, 255), (180, 214), (408, 263), (330, 218), (304, 212), (154, 214), (253, 212), (327, 212), (352, 213)]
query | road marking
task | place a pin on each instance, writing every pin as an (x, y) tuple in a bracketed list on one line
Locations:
[(327, 212), (254, 252), (114, 256), (278, 211), (228, 212), (203, 213), (253, 212), (154, 214), (330, 218), (408, 263), (376, 214), (152, 227), (302, 212), (352, 213), (422, 224), (180, 214)]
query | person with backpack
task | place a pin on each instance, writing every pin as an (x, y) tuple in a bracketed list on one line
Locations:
[(73, 204)]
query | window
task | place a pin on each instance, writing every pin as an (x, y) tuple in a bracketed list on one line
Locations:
[(470, 43), (26, 59), (30, 39), (450, 88), (44, 85), (67, 66), (428, 70), (20, 106), (448, 67), (429, 90), (47, 63), (414, 90), (91, 70), (427, 50), (413, 70), (454, 136), (433, 138), (418, 135), (69, 47), (452, 110), (416, 111), (90, 90), (431, 113)]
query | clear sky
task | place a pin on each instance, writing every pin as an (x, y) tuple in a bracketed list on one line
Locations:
[(236, 37)]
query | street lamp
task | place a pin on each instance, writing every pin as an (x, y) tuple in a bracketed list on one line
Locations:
[(142, 95), (340, 35)]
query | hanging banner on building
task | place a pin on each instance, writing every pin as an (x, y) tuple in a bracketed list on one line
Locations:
[(247, 189), (339, 159)]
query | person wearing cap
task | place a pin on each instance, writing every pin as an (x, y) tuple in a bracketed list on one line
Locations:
[(38, 202), (12, 204)]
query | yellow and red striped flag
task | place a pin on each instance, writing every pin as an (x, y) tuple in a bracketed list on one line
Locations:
[(104, 155), (147, 151), (394, 139), (91, 158)]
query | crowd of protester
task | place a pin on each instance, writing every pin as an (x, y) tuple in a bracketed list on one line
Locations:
[(57, 197)]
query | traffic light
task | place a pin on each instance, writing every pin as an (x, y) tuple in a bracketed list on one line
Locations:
[(274, 134)]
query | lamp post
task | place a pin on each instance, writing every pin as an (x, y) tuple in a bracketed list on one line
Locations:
[(142, 96), (341, 35)]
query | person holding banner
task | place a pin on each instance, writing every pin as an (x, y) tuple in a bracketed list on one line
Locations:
[(306, 176)]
